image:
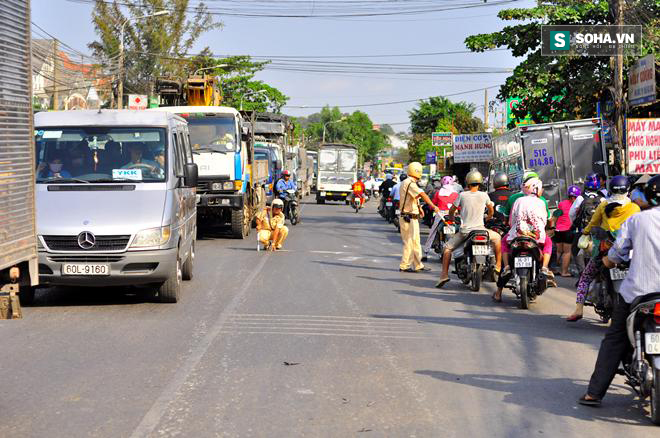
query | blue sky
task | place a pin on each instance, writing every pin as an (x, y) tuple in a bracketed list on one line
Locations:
[(433, 32)]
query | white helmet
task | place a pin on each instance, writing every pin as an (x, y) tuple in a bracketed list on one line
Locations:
[(277, 203)]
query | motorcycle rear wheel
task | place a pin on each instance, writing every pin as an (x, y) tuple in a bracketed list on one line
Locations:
[(655, 398), (477, 274), (524, 293)]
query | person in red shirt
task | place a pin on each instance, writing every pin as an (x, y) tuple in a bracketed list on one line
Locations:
[(446, 196), (358, 190)]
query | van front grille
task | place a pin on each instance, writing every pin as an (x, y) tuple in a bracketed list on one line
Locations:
[(102, 243), (85, 259)]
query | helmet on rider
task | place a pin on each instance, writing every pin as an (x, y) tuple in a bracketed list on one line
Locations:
[(474, 177), (533, 186), (619, 185), (447, 180), (278, 203), (402, 177), (500, 179), (652, 191), (529, 175), (286, 173), (389, 176), (591, 181), (415, 170), (574, 191)]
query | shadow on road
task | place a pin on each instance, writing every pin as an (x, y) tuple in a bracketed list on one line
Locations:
[(100, 296), (557, 396)]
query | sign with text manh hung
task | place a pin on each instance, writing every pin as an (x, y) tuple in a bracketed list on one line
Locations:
[(473, 148), (641, 81), (441, 138), (643, 141)]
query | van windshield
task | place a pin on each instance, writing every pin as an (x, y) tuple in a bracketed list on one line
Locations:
[(100, 154), (212, 133)]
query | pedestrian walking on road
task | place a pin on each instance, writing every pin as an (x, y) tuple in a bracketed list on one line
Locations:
[(410, 192)]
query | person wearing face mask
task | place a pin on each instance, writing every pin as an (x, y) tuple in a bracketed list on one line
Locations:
[(54, 169)]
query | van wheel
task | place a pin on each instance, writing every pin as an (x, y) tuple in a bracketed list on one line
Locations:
[(240, 222), (187, 269), (169, 291), (26, 295)]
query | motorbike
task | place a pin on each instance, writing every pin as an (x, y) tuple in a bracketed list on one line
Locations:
[(396, 214), (291, 210), (528, 280), (642, 368), (446, 230), (473, 258), (356, 203)]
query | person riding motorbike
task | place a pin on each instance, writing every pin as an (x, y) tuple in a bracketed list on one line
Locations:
[(285, 183), (638, 233), (385, 189), (528, 218), (608, 217), (472, 204), (581, 216), (502, 192), (359, 190), (444, 198), (564, 235)]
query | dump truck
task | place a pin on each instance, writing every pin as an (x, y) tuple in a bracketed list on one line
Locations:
[(19, 273)]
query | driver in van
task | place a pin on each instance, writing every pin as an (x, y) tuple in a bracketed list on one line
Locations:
[(136, 149)]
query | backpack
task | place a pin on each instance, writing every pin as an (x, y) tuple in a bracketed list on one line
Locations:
[(587, 209)]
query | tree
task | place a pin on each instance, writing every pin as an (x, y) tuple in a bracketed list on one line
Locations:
[(237, 82), (153, 46), (439, 114), (563, 87)]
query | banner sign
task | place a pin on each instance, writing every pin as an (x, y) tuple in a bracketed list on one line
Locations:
[(590, 40), (441, 138), (473, 148), (430, 157), (643, 140), (641, 81), (137, 102)]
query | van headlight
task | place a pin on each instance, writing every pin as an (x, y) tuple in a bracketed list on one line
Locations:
[(152, 237)]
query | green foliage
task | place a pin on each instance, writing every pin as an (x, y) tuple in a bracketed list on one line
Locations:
[(439, 114), (153, 46), (237, 82), (579, 81), (355, 128)]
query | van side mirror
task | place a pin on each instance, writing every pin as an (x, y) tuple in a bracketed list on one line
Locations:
[(190, 175)]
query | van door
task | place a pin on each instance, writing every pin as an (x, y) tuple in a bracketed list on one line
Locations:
[(188, 194)]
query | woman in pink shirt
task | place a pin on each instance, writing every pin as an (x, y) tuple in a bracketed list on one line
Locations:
[(446, 196), (563, 235)]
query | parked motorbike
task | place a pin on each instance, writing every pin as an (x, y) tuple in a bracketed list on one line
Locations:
[(291, 210), (472, 258), (528, 281), (642, 368)]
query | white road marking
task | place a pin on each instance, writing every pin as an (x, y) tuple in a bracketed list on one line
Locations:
[(328, 252), (153, 417)]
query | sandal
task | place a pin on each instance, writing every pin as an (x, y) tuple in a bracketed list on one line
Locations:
[(594, 402), (442, 282), (574, 318)]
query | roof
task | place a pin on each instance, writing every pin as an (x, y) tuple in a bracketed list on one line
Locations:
[(338, 145), (196, 109), (102, 118)]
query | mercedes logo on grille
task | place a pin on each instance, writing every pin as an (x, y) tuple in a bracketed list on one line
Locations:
[(86, 240)]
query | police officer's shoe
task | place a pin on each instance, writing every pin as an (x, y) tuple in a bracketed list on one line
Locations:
[(424, 269), (406, 270)]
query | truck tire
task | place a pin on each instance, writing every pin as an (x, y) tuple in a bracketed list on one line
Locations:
[(187, 268), (240, 222), (26, 295), (320, 200), (170, 290)]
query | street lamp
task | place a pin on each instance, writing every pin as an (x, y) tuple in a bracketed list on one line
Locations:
[(327, 123), (210, 68), (121, 53), (251, 93)]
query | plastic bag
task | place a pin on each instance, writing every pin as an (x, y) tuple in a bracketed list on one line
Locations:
[(584, 242)]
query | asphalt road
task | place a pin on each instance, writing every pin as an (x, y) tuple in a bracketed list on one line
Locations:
[(371, 351)]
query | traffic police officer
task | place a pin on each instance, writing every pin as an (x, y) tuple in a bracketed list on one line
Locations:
[(410, 192)]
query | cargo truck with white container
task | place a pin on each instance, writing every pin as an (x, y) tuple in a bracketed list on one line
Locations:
[(18, 245), (337, 171)]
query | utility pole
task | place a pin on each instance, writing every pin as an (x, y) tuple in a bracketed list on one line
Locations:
[(486, 109), (618, 89), (56, 95)]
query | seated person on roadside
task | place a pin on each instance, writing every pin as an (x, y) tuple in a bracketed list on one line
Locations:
[(270, 226), (472, 203)]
